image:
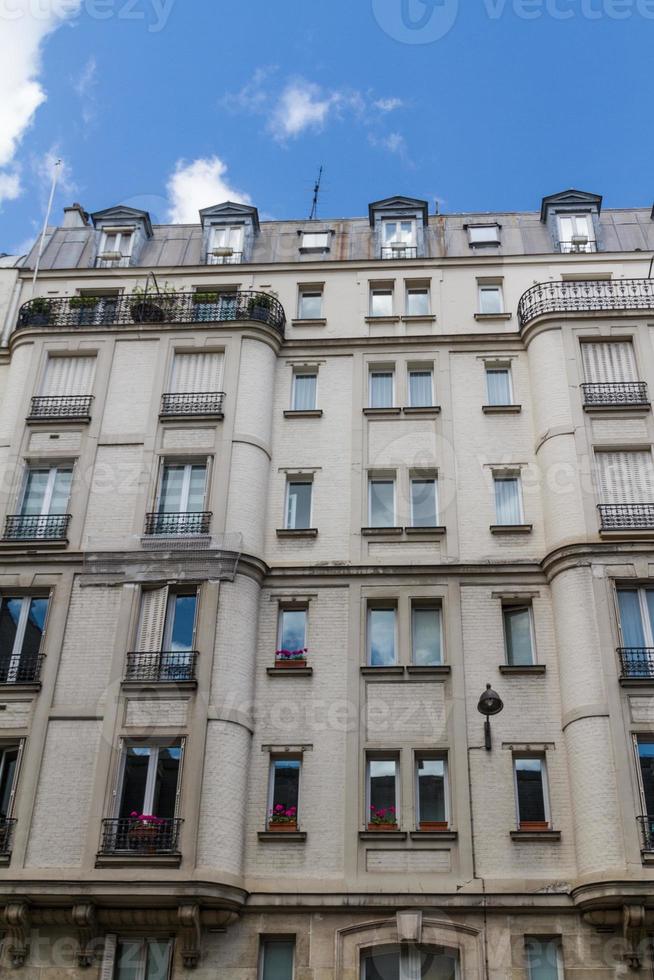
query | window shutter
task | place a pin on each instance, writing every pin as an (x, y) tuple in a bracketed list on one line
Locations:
[(197, 372), (68, 376), (609, 361), (152, 619), (180, 768), (625, 477), (12, 794), (109, 956)]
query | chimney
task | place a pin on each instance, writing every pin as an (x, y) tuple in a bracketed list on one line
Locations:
[(75, 216)]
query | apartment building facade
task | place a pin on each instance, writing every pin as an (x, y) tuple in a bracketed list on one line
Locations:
[(327, 597)]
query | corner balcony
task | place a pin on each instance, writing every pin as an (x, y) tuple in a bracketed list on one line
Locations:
[(57, 408), (161, 667), (153, 841), (615, 394), (178, 525), (7, 825), (199, 404), (51, 527), (588, 296), (626, 517), (636, 666), (63, 312)]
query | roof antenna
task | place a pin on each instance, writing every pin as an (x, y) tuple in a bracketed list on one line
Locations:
[(316, 192)]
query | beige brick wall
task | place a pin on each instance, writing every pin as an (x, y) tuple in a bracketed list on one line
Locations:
[(88, 647)]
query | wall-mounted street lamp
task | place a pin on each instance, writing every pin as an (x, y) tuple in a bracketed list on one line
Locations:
[(490, 703)]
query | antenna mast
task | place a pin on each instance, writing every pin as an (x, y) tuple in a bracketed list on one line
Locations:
[(316, 192)]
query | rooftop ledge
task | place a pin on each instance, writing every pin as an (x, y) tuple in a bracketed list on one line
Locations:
[(585, 296)]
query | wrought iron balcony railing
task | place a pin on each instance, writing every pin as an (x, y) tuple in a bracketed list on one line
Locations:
[(161, 667), (7, 825), (626, 517), (114, 263), (569, 248), (636, 662), (399, 252), (226, 258), (216, 307), (177, 404), (20, 670), (647, 831), (127, 835), (60, 407), (51, 527), (598, 394), (177, 525), (587, 296)]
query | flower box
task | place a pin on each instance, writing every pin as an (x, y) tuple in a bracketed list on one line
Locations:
[(534, 825), (290, 658), (289, 664), (282, 828), (382, 826), (434, 826)]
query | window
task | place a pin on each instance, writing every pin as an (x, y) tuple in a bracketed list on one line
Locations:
[(298, 505), (625, 477), (382, 792), (382, 636), (431, 791), (165, 636), (196, 373), (417, 301), (381, 302), (424, 503), (409, 963), (226, 244), (491, 300), (498, 386), (149, 779), (421, 387), (304, 392), (381, 389), (636, 617), (284, 792), (22, 624), (531, 792), (68, 376), (645, 754), (426, 635), (292, 630), (315, 241), (508, 500), (47, 490), (381, 502), (480, 235), (277, 957), (310, 304), (576, 233), (115, 248), (518, 635), (143, 959), (544, 959), (182, 488), (9, 763), (398, 239), (609, 361)]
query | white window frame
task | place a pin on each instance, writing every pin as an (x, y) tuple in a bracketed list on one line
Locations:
[(589, 234), (374, 371), (515, 607), (382, 607), (382, 479), (417, 369), (52, 469), (17, 649), (8, 746), (169, 618), (637, 738), (499, 476), (427, 604), (641, 591), (394, 243), (496, 368), (545, 940), (544, 780), (316, 246), (280, 623), (121, 235), (421, 756), (263, 942), (290, 757), (291, 481), (229, 232), (140, 971), (155, 747), (487, 287), (384, 757), (415, 478), (381, 290), (312, 291), (491, 230), (186, 482), (304, 374), (423, 290), (407, 970)]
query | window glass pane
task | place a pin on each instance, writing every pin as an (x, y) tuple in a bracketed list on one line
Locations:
[(158, 961), (196, 487), (490, 299), (381, 637), (517, 633), (33, 630), (436, 965), (481, 235), (129, 957), (542, 959), (8, 763), (631, 622), (286, 784), (135, 774), (381, 965), (423, 503), (315, 240), (382, 503), (381, 302), (310, 306), (649, 602), (420, 389), (646, 759), (431, 789), (498, 381), (417, 302), (381, 389), (181, 609), (298, 514), (61, 491), (382, 786), (531, 797), (172, 480), (426, 625), (33, 500), (293, 629), (507, 501), (165, 789), (304, 392), (9, 616), (277, 960)]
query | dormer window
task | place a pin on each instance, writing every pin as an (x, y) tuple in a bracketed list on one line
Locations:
[(121, 235), (482, 236), (116, 246), (315, 241), (226, 245), (576, 233), (399, 239), (399, 228), (573, 220)]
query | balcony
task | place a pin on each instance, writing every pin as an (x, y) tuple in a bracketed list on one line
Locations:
[(7, 825), (636, 664), (20, 670), (647, 832), (399, 252), (615, 394), (61, 407), (179, 405), (111, 260), (161, 667), (63, 312), (178, 525), (626, 517), (224, 256), (51, 527), (578, 245), (127, 836), (589, 296)]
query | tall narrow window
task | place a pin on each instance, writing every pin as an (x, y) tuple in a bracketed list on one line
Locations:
[(277, 956), (426, 635), (143, 959), (68, 376), (431, 792), (421, 387), (284, 794), (292, 631), (47, 490), (417, 301), (298, 504), (424, 502), (381, 302), (576, 233), (508, 500), (149, 781), (398, 239), (9, 759), (22, 623), (382, 791), (531, 792), (609, 361), (182, 488), (304, 391), (645, 754), (380, 389), (115, 248), (498, 386), (636, 651), (544, 959), (382, 636), (381, 502), (196, 372), (165, 637), (226, 245), (310, 303), (518, 635), (491, 300), (625, 478)]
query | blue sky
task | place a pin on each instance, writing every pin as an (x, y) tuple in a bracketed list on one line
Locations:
[(175, 104)]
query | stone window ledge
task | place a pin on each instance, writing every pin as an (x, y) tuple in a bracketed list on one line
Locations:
[(524, 669), (381, 532), (281, 837), (428, 410), (318, 321), (535, 836), (426, 532), (300, 532), (396, 670), (289, 671), (138, 860), (511, 528), (303, 413), (501, 409), (382, 835), (434, 835), (493, 316), (382, 412)]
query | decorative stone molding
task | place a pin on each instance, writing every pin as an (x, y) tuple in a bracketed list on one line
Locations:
[(84, 920), (190, 933), (16, 919), (634, 932), (409, 927)]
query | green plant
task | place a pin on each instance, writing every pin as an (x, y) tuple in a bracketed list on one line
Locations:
[(205, 297), (40, 305), (81, 302)]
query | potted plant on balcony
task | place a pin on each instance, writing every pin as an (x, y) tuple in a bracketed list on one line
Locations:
[(288, 659), (144, 832), (151, 305), (382, 818), (260, 306), (38, 312), (283, 819)]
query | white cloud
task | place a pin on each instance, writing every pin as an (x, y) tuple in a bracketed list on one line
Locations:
[(199, 184), (301, 106), (84, 87), (388, 105), (24, 29)]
